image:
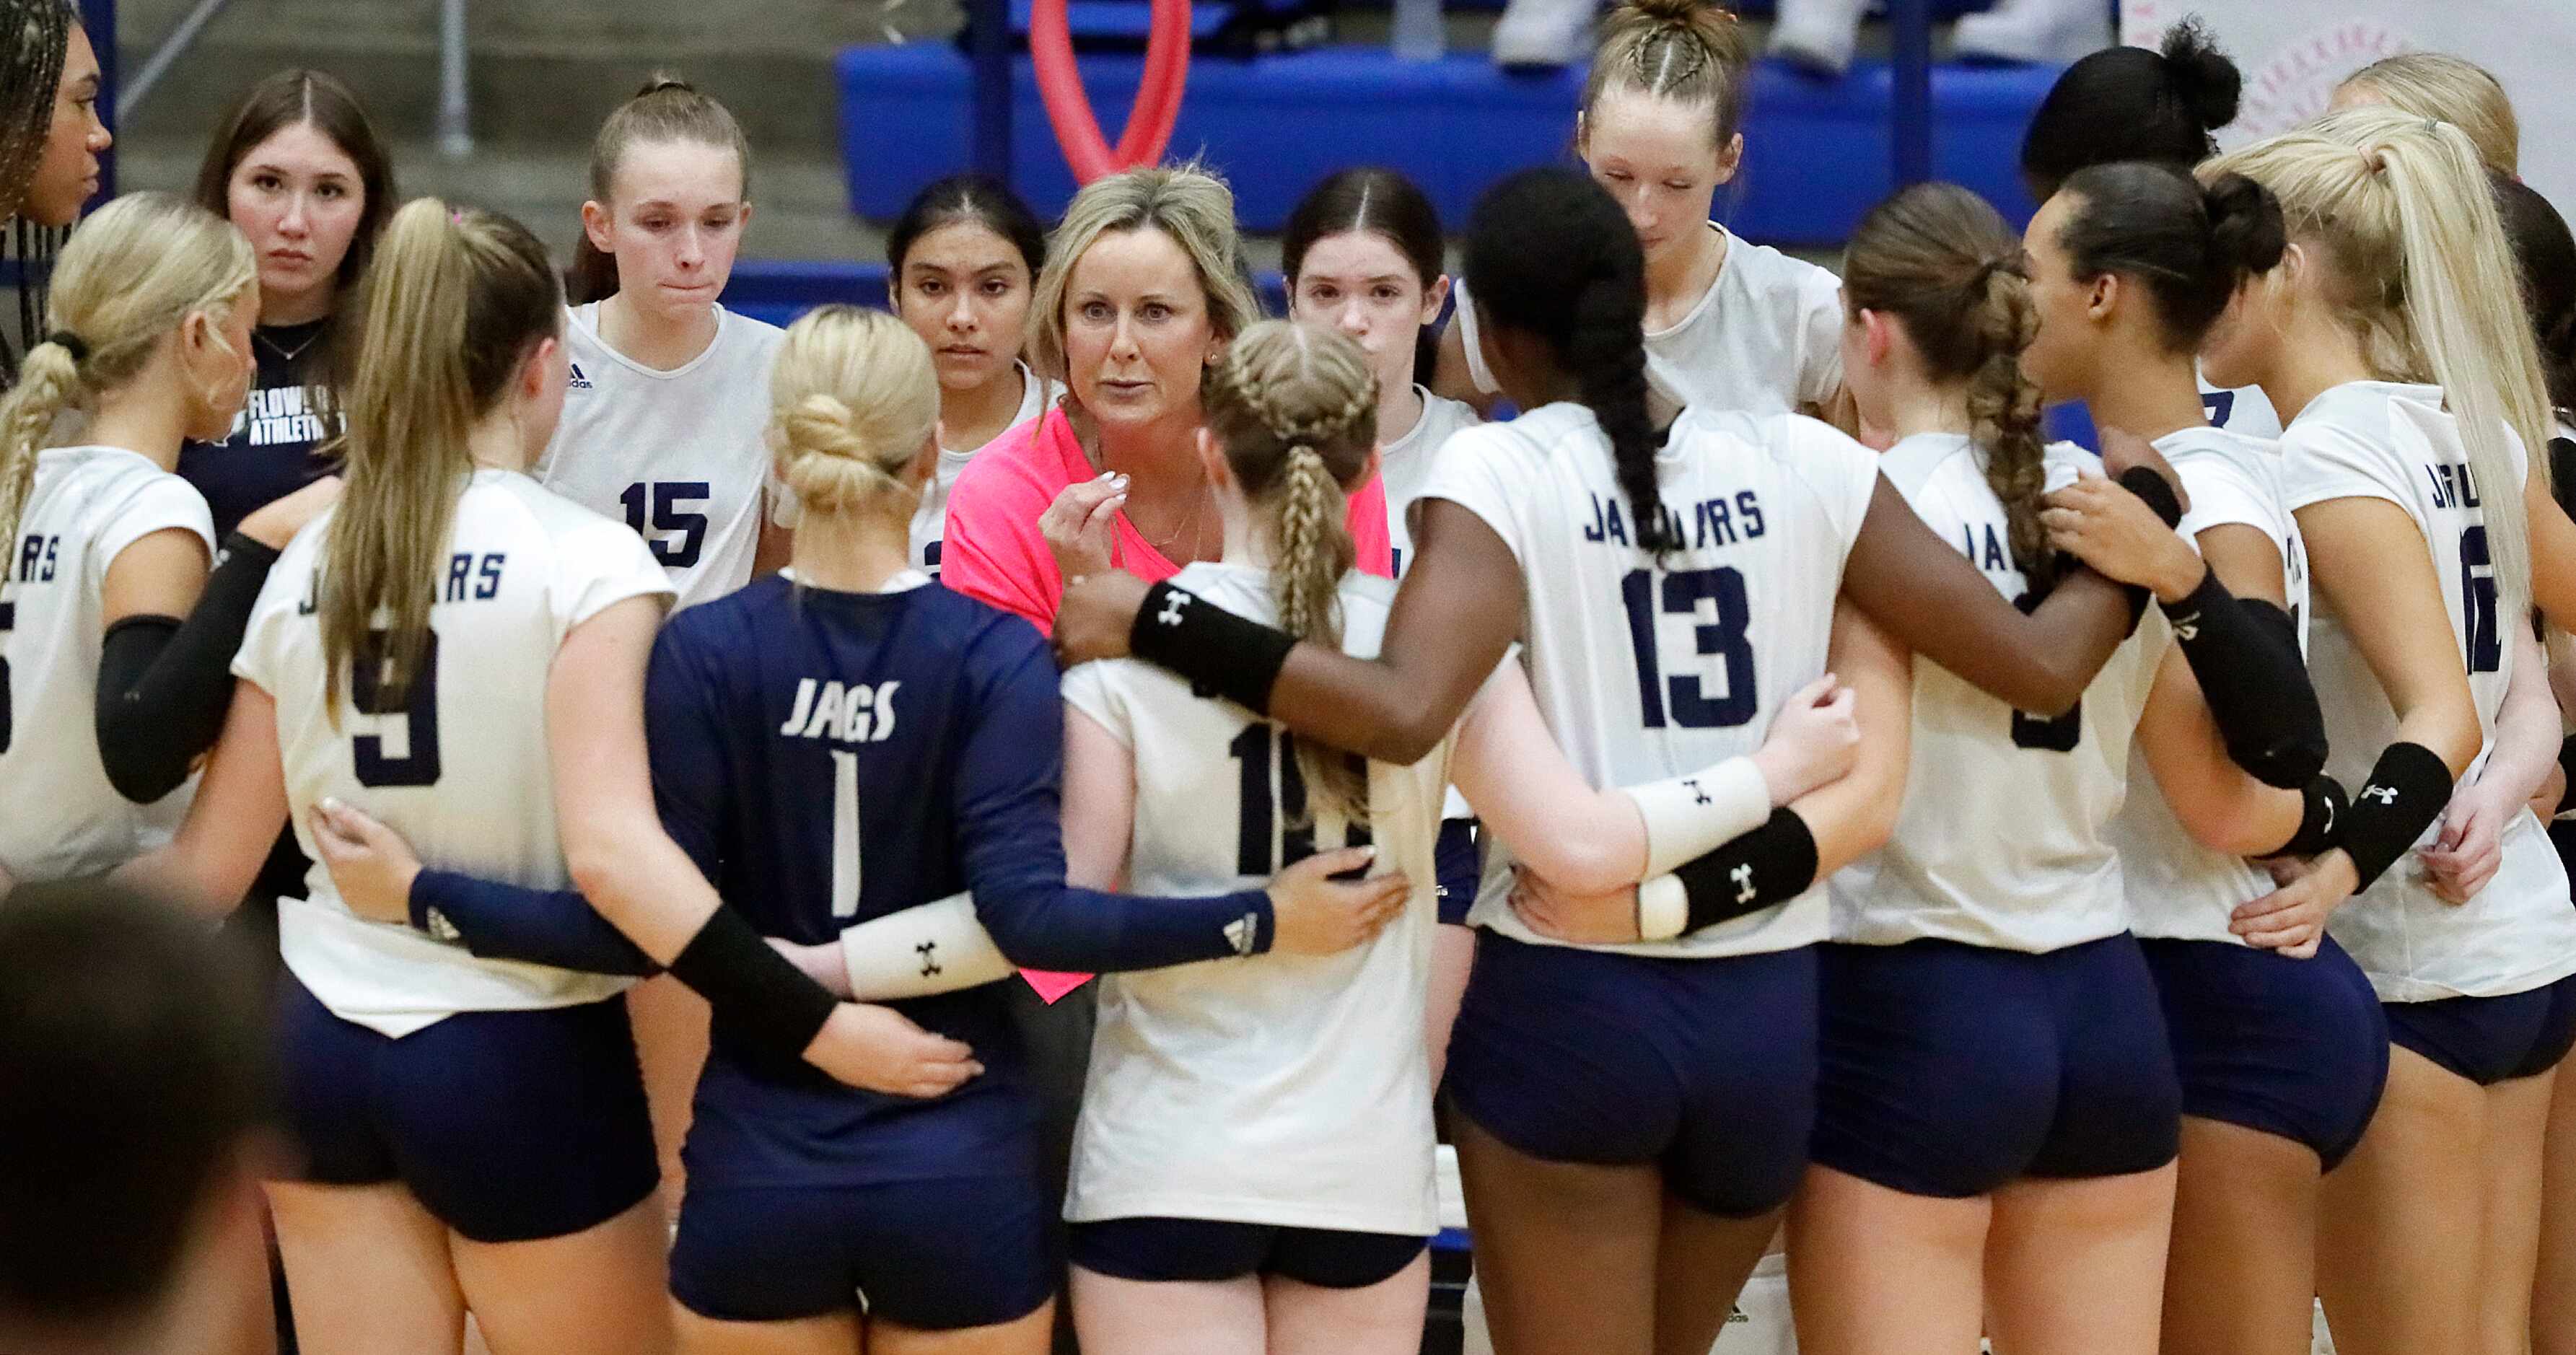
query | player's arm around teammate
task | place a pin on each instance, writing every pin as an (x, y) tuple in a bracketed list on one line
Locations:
[(2401, 560), (117, 646)]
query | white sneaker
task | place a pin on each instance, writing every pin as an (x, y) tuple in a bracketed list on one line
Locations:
[(2045, 32), (1817, 35), (1542, 32)]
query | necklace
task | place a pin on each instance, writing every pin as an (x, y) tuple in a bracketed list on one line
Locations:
[(284, 353), (1190, 525)]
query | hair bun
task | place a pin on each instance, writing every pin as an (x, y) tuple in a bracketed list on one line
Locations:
[(662, 80), (2201, 76), (2246, 231), (1682, 11)]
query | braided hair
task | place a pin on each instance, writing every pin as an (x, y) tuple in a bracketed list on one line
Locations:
[(1551, 255), (37, 37), (1295, 407), (1942, 262)]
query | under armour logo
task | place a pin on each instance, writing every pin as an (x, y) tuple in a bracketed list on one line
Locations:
[(2187, 627), (1696, 792), (443, 929), (929, 961), (2386, 795), (1743, 878), (1242, 932), (1172, 604), (2328, 826)]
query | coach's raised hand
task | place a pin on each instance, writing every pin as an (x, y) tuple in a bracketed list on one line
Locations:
[(1311, 913)]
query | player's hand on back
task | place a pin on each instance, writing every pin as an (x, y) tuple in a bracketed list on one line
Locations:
[(1313, 914), (1813, 741), (1581, 919), (1097, 613), (277, 523), (371, 866), (878, 1049), (2292, 918)]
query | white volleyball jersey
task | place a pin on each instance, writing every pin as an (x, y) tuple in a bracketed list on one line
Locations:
[(1765, 338), (930, 520), (2177, 887), (1277, 1089), (2004, 837), (2383, 440), (1647, 668), (682, 457), (1405, 465), (461, 769), (87, 505), (2242, 409)]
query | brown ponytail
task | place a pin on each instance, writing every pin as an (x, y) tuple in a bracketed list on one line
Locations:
[(1942, 262), (666, 109), (1296, 409)]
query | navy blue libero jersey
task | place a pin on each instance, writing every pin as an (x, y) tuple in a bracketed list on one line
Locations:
[(274, 448), (828, 758)]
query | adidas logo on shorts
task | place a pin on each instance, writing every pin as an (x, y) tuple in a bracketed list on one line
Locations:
[(578, 382)]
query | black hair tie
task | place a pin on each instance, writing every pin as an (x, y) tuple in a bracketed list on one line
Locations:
[(70, 343)]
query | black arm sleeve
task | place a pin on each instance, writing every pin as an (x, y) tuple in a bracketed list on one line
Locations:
[(164, 684), (511, 922), (2245, 652)]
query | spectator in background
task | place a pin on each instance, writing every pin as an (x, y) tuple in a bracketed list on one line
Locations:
[(133, 1080)]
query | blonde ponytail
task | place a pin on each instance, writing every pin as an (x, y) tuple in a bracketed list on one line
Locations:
[(450, 308), (2398, 212), (132, 274), (1295, 407), (854, 400)]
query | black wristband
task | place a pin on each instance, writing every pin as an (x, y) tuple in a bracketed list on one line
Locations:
[(2407, 790), (754, 990), (1222, 654), (2326, 809), (2158, 492), (1772, 864), (2567, 765)]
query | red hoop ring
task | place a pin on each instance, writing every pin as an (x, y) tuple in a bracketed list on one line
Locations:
[(1068, 108)]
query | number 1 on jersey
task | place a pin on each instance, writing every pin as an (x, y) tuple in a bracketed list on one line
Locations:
[(8, 618), (845, 834), (1259, 846)]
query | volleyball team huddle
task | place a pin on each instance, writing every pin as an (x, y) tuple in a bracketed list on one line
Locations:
[(2088, 904)]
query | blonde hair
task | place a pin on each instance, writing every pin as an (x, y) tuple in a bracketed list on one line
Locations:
[(853, 400), (1295, 407), (2456, 90), (1688, 51), (448, 312), (2399, 220), (1190, 205), (132, 274)]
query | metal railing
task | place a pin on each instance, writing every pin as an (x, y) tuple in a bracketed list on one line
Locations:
[(455, 107)]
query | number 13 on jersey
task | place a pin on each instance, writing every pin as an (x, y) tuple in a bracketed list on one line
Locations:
[(1713, 685)]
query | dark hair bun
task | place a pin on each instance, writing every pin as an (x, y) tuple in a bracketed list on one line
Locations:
[(2203, 79), (2245, 227), (663, 80)]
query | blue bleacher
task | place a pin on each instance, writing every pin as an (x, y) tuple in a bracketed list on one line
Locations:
[(1817, 154)]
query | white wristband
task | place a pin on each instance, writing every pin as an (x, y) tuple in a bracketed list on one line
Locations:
[(1663, 909), (934, 948), (1692, 815)]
